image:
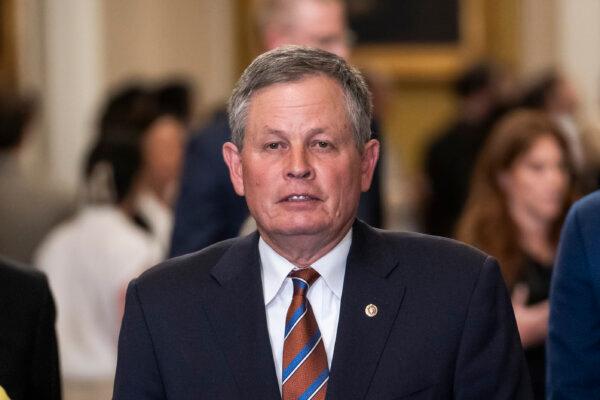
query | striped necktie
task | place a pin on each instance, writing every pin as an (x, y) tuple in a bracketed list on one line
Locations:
[(305, 371)]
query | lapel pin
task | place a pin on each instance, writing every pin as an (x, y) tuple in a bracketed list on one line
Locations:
[(371, 310)]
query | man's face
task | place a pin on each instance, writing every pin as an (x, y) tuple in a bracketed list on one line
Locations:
[(300, 169), (314, 23)]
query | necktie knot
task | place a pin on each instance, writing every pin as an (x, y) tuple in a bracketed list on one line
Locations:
[(302, 279)]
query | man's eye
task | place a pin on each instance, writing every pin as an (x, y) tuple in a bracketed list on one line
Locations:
[(322, 144), (273, 146)]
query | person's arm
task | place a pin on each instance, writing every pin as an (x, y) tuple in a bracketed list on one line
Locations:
[(490, 362), (45, 375), (137, 376), (574, 329), (532, 320)]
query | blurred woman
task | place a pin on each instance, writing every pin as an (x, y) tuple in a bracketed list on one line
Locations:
[(521, 190), (90, 259)]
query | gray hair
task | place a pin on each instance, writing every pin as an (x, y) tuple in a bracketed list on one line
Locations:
[(292, 64)]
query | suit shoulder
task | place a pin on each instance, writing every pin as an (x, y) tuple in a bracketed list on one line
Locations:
[(20, 276), (21, 286), (434, 246), (436, 259), (589, 205)]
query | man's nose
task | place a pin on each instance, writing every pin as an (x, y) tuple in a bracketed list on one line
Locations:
[(299, 166)]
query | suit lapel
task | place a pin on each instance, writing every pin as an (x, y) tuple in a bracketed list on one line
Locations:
[(235, 308), (361, 339)]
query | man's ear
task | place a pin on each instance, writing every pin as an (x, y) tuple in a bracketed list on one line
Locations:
[(233, 159), (368, 161)]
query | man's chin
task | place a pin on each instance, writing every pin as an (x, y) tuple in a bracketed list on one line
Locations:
[(292, 228)]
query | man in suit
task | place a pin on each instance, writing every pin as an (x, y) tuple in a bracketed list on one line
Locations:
[(573, 334), (28, 352), (207, 209), (316, 303)]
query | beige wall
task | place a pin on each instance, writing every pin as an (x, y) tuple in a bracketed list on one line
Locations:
[(157, 38), (72, 51), (578, 51)]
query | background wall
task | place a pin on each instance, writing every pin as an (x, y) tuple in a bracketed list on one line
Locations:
[(71, 52)]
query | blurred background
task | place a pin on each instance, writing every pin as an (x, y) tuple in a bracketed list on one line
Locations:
[(69, 53), (111, 122)]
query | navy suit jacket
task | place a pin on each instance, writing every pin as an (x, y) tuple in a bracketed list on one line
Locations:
[(208, 210), (195, 327), (574, 328), (29, 367)]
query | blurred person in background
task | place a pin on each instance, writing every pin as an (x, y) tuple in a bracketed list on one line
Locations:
[(555, 94), (208, 210), (29, 204), (162, 150), (175, 96), (521, 190), (164, 157), (90, 258), (450, 158), (29, 368), (573, 334)]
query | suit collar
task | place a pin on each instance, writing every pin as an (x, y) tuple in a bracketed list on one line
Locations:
[(235, 261), (233, 302), (371, 250), (369, 280)]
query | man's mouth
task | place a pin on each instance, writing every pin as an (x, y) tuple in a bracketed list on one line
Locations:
[(299, 197)]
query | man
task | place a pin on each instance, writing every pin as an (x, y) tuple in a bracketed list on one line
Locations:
[(573, 334), (207, 209), (316, 303), (28, 352)]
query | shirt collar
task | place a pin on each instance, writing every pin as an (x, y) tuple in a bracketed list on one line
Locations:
[(331, 267)]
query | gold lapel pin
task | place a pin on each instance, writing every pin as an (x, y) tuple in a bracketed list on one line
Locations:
[(371, 310)]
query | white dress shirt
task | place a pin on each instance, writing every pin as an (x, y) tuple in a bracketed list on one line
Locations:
[(324, 295)]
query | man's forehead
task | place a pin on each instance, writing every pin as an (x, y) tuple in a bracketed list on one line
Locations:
[(310, 90)]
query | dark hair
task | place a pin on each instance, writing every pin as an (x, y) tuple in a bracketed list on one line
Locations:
[(474, 79), (129, 101), (126, 118), (486, 222), (538, 93), (174, 97), (15, 114)]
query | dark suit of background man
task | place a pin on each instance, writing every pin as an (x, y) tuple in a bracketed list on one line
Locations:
[(207, 209), (390, 315), (28, 352), (573, 332)]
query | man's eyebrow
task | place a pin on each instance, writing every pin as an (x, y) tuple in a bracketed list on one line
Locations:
[(316, 131), (278, 132)]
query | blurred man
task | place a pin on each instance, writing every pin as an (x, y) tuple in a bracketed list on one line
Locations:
[(28, 353), (316, 303), (574, 336), (208, 210)]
